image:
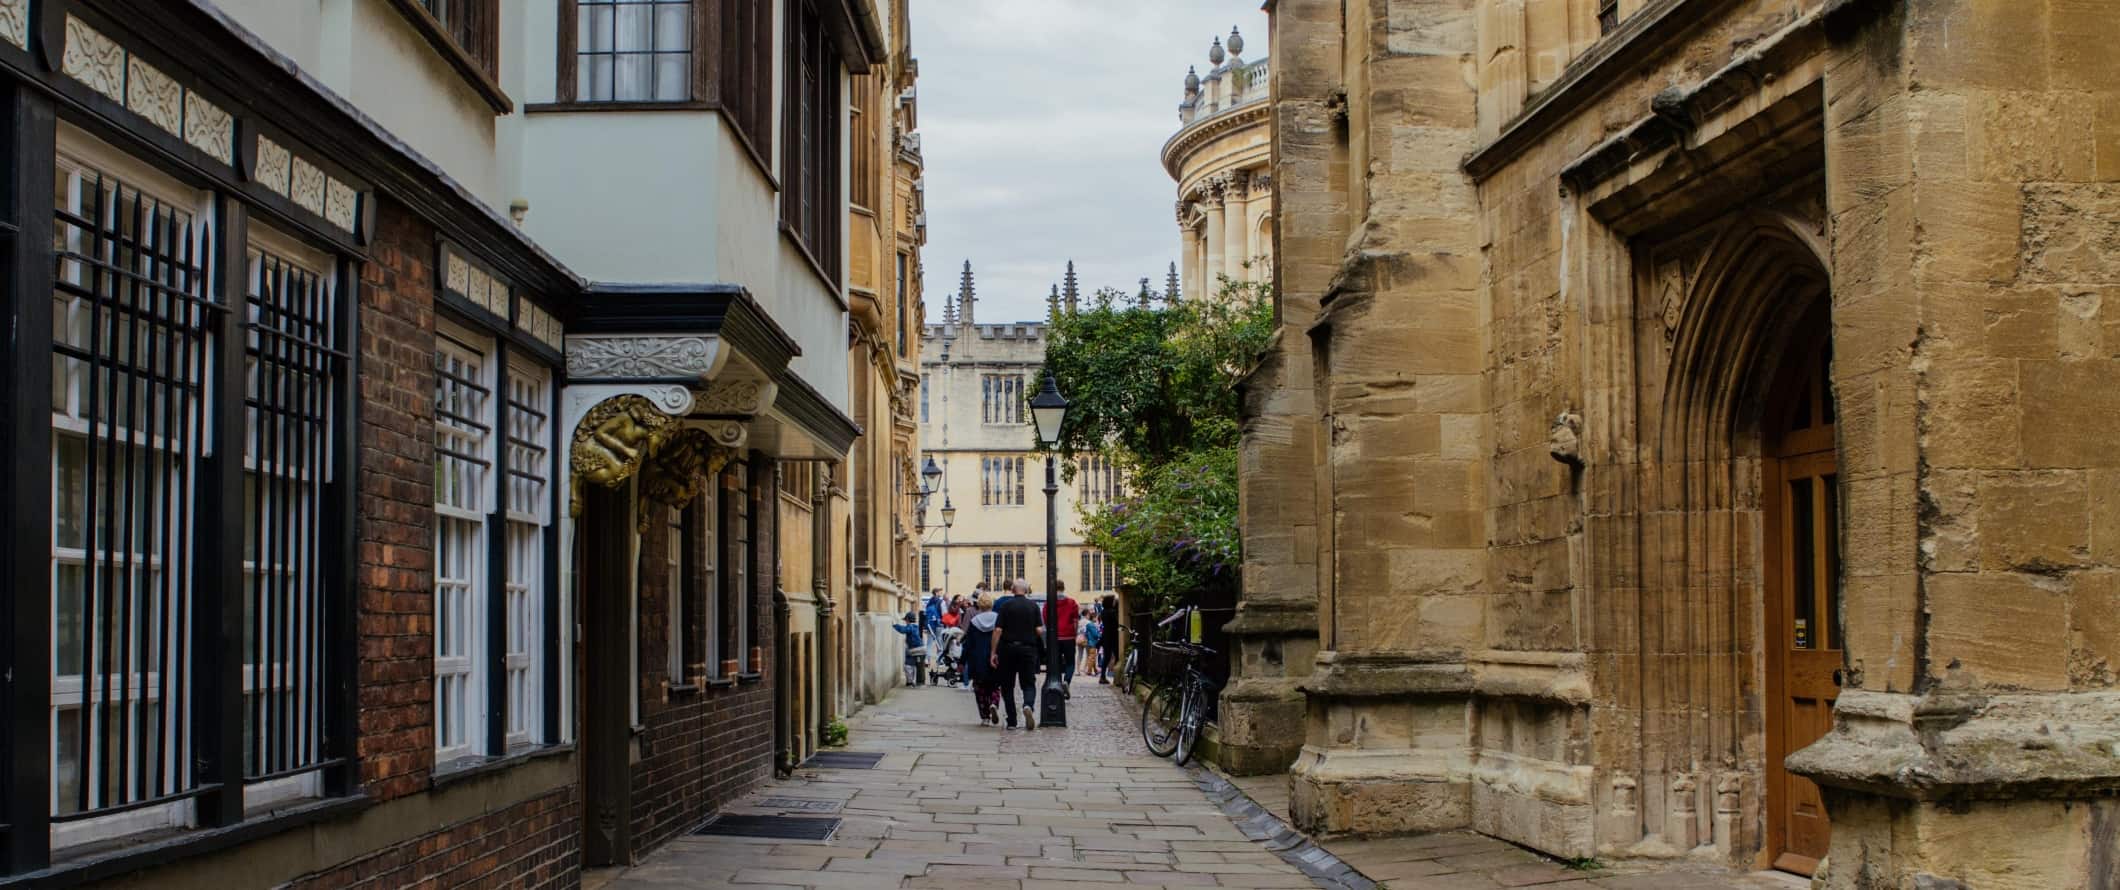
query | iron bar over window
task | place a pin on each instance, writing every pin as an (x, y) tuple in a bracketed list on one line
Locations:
[(463, 497), (633, 50), (529, 444), (810, 207), (287, 451), (133, 323)]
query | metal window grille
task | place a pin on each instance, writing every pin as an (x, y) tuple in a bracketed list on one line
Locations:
[(674, 594), (463, 414), (131, 347), (707, 619), (633, 50), (290, 369), (529, 499)]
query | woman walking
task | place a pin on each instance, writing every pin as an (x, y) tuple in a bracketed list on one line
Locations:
[(978, 645)]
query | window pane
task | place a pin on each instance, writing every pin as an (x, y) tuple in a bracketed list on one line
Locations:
[(673, 27)]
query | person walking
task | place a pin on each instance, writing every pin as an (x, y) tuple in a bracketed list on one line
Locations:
[(1067, 618), (1086, 646), (978, 661), (1017, 634), (1108, 638), (915, 649)]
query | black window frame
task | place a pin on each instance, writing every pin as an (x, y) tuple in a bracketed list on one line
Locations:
[(812, 211)]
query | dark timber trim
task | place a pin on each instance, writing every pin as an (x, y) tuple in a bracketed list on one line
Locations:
[(802, 404), (459, 58), (31, 133), (218, 589)]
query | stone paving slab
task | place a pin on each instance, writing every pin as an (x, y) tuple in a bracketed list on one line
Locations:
[(959, 806)]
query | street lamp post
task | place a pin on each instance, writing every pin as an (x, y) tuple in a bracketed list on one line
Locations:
[(1048, 409)]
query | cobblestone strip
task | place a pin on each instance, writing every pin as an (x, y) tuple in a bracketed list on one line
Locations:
[(1269, 831)]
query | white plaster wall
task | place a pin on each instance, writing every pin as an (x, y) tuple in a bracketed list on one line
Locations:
[(365, 51)]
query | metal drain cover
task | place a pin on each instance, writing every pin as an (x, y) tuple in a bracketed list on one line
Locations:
[(843, 760), (787, 828), (805, 804)]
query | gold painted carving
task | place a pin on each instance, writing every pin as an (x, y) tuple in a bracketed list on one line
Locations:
[(614, 436), (683, 466)]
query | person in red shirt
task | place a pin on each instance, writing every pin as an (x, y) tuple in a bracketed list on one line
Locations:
[(1068, 620)]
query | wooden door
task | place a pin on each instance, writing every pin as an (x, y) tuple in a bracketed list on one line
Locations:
[(1802, 529), (604, 572)]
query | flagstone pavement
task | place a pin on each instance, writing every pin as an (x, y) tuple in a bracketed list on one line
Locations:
[(957, 805)]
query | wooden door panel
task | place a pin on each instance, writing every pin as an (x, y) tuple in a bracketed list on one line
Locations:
[(1802, 527)]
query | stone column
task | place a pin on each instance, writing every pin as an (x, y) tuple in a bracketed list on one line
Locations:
[(1980, 710), (1189, 248), (1213, 235), (1399, 350), (1234, 216)]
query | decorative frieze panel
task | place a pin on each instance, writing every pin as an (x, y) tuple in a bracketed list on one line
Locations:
[(153, 95), (307, 188), (534, 320), (467, 280), (289, 175), (210, 129), (275, 166), (736, 397), (634, 357), (94, 60), (14, 22), (103, 65)]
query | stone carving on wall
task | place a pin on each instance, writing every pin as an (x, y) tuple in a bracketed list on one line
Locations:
[(153, 95), (1564, 439), (14, 22), (726, 433), (94, 60), (639, 356), (209, 128), (275, 165), (1671, 291), (534, 320), (340, 203), (307, 190)]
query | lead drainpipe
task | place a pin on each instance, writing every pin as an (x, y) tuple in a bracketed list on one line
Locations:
[(783, 758), (821, 587)]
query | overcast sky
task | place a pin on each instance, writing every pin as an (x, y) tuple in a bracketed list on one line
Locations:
[(1041, 122)]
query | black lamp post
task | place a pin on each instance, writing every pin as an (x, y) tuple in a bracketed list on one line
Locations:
[(1048, 409)]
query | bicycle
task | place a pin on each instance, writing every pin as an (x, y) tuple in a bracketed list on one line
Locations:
[(1130, 666), (1170, 721)]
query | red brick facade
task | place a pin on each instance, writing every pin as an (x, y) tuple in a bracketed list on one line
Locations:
[(703, 747), (395, 541), (534, 844)]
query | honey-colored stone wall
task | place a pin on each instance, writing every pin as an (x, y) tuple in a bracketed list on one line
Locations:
[(1556, 265)]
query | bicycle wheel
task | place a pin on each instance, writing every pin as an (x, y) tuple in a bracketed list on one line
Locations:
[(1189, 716), (1160, 719), (1130, 670)]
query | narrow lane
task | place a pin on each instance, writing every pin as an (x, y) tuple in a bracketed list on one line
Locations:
[(954, 804)]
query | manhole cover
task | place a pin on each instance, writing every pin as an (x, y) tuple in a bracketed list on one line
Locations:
[(843, 760), (788, 828), (805, 804)]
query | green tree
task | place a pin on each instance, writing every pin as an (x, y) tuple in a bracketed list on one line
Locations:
[(1153, 389)]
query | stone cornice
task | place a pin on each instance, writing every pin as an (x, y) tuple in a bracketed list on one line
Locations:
[(1254, 113)]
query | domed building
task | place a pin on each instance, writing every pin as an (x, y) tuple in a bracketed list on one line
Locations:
[(1219, 157)]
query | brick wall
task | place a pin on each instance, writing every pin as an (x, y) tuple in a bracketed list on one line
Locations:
[(704, 747), (534, 844), (396, 491)]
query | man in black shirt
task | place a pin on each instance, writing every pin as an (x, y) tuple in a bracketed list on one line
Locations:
[(1018, 634)]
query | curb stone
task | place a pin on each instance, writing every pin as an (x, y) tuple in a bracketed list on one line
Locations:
[(1318, 863)]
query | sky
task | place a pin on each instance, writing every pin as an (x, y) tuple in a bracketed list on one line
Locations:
[(1042, 123)]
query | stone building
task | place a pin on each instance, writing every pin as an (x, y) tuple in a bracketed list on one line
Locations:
[(1219, 159), (872, 580), (404, 406), (1685, 438), (976, 382)]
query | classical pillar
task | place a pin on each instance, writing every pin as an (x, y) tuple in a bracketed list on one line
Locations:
[(1388, 746), (1214, 235), (1189, 250), (1233, 216)]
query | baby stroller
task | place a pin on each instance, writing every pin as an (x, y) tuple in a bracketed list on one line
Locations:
[(949, 662)]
